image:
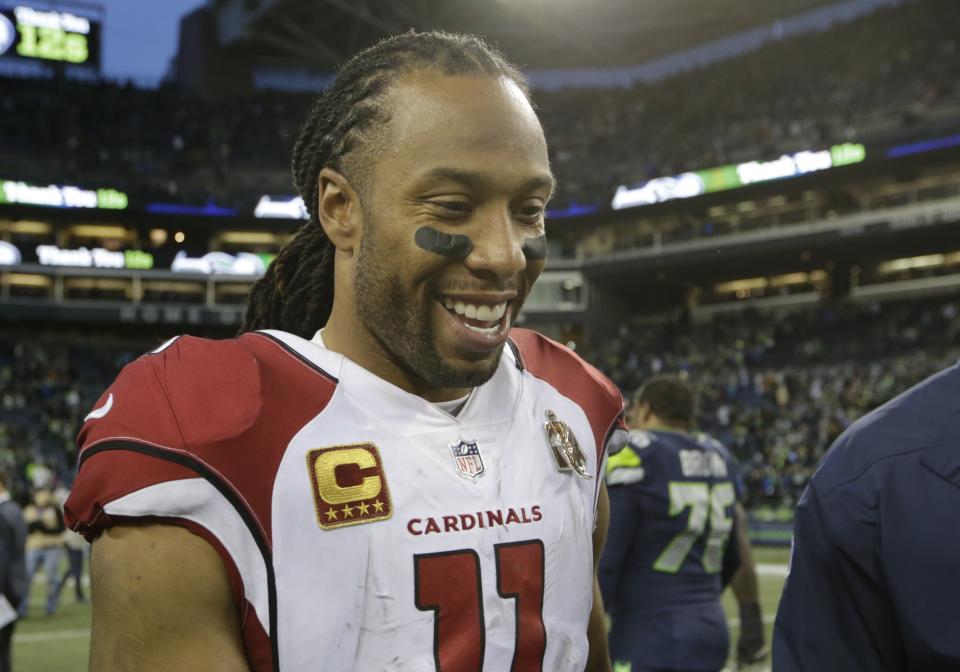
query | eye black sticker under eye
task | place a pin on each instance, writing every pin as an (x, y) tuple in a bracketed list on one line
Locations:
[(454, 245), (535, 248)]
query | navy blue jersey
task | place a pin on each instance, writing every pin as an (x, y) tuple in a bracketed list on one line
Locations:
[(874, 581), (672, 498)]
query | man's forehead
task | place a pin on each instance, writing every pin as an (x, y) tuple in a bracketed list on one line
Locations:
[(480, 111), (457, 128)]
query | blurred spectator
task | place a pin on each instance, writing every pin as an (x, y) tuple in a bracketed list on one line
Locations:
[(76, 547), (13, 568), (44, 546)]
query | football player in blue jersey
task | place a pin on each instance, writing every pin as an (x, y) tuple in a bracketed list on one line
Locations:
[(873, 576), (669, 553)]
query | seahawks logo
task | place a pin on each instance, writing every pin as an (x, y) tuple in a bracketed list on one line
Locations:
[(9, 255), (8, 34)]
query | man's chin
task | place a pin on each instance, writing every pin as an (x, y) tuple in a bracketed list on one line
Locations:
[(472, 372)]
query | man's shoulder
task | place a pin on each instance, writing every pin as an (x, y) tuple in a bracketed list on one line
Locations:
[(210, 364), (912, 424), (570, 376), (194, 391), (559, 365), (193, 423)]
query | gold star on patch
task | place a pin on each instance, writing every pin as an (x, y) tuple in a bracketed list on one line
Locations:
[(331, 514), (364, 508), (347, 511), (378, 506)]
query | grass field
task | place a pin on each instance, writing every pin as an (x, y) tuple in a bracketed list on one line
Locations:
[(772, 570), (61, 643)]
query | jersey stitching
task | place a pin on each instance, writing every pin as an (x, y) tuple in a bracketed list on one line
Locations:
[(173, 414), (297, 356), (869, 467), (933, 444), (517, 355), (98, 446)]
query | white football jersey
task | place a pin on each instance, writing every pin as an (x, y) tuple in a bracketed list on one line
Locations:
[(364, 528)]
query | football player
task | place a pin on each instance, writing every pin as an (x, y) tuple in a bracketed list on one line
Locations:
[(677, 537), (873, 575), (379, 473)]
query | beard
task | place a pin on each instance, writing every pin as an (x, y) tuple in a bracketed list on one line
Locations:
[(404, 323)]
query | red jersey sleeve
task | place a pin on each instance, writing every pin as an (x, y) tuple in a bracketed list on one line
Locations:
[(157, 422), (193, 435)]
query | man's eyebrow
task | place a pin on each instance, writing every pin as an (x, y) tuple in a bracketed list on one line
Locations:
[(477, 180)]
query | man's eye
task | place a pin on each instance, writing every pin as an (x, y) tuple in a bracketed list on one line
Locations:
[(531, 211), (458, 207)]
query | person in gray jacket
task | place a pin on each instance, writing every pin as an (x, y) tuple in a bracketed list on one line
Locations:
[(13, 566)]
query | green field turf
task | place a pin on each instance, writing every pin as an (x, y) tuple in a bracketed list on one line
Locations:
[(61, 643), (771, 585)]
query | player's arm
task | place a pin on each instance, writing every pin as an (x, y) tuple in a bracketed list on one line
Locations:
[(750, 646), (835, 612), (161, 601), (623, 519), (599, 660)]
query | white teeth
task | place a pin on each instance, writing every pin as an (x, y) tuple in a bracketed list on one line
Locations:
[(482, 312), (480, 330)]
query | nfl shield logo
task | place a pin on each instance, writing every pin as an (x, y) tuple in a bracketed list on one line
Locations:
[(467, 458)]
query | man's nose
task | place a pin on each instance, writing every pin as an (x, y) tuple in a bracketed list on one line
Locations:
[(497, 246)]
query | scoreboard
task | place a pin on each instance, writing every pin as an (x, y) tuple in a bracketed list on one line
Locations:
[(54, 35)]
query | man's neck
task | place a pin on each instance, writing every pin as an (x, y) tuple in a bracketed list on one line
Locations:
[(363, 348)]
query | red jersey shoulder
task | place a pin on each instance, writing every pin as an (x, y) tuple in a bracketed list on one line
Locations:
[(191, 391), (194, 392), (221, 410), (573, 377), (560, 366)]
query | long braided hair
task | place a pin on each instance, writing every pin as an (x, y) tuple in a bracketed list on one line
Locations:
[(296, 293)]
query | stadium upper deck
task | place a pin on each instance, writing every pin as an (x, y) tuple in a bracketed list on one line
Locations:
[(891, 74)]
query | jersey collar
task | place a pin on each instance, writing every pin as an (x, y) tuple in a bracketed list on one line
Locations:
[(493, 402)]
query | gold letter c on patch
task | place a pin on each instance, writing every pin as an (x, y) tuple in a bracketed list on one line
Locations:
[(334, 493)]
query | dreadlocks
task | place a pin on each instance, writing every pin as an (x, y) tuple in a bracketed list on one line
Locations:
[(296, 293)]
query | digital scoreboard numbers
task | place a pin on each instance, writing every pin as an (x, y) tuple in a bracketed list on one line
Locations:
[(49, 35)]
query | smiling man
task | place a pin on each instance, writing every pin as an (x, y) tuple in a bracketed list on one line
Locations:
[(380, 473)]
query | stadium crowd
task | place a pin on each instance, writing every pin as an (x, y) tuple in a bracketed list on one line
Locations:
[(778, 388), (882, 74), (48, 382)]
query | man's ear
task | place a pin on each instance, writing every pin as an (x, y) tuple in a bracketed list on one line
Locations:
[(339, 210)]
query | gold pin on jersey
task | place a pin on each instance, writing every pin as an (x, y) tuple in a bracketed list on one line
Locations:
[(565, 447), (349, 486)]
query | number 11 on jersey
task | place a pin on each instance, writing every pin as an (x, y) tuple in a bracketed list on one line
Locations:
[(448, 584)]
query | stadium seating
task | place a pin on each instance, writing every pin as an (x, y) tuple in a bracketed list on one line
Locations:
[(888, 73), (777, 389)]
